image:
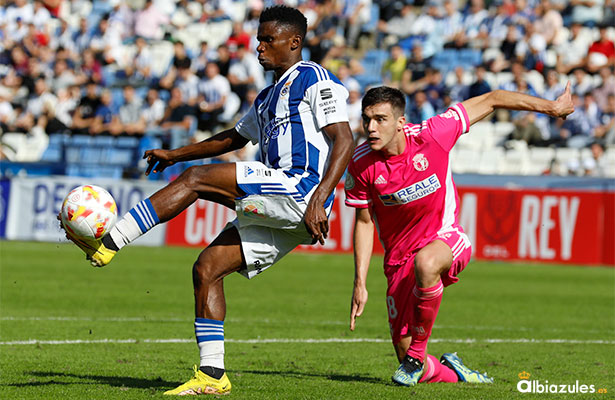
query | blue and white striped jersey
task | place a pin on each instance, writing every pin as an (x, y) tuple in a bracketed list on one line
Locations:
[(287, 118)]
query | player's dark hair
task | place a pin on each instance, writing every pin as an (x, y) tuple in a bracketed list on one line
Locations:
[(287, 16), (385, 94)]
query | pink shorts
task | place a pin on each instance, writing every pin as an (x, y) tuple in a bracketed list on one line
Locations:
[(401, 280)]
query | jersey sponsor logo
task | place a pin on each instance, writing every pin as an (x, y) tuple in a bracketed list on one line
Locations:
[(415, 191), (380, 180), (349, 182), (326, 93), (275, 128), (420, 162)]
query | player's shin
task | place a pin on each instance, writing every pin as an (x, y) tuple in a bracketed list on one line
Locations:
[(210, 339), (140, 219), (436, 372), (426, 305)]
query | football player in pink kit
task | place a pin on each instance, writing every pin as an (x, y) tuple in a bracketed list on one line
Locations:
[(400, 181)]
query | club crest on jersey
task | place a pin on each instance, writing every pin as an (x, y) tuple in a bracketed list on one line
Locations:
[(348, 182), (415, 191), (285, 89), (420, 162)]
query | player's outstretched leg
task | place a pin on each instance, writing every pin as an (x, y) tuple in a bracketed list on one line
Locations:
[(464, 373), (202, 383)]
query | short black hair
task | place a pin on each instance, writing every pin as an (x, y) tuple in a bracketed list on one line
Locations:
[(385, 94), (287, 16)]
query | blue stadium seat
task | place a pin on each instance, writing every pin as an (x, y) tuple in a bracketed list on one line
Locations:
[(104, 141), (53, 153), (117, 156), (80, 140), (127, 141), (73, 154), (90, 155)]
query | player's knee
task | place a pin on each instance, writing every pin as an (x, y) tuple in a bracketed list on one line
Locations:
[(428, 265), (203, 272)]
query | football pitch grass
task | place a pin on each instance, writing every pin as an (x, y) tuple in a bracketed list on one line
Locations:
[(70, 331)]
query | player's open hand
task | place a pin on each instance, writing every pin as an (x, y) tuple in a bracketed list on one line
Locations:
[(316, 221), (563, 104), (357, 304), (157, 160)]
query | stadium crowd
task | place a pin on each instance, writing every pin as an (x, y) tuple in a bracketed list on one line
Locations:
[(179, 70)]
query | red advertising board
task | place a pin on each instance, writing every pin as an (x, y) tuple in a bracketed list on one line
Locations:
[(576, 227)]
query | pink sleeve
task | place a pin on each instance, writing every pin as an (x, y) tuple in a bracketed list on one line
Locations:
[(357, 192), (448, 127)]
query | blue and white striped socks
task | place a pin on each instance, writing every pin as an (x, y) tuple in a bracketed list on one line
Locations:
[(140, 219), (210, 339)]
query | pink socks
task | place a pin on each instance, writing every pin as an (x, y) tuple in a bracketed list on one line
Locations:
[(436, 372), (427, 303)]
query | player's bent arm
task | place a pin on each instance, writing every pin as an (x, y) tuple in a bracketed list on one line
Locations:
[(343, 145), (224, 142), (480, 106), (363, 243), (221, 143)]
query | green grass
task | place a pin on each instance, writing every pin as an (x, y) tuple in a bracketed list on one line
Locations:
[(48, 292)]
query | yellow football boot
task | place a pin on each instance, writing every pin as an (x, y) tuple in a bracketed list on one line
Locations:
[(202, 384), (94, 249)]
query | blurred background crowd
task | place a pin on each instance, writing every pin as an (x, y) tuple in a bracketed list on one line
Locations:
[(86, 85)]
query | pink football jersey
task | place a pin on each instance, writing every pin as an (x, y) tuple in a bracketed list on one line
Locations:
[(412, 195)]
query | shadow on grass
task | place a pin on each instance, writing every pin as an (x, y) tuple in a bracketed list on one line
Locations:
[(331, 377), (63, 378), (57, 378)]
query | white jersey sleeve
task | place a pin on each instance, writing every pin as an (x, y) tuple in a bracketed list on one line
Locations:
[(327, 99)]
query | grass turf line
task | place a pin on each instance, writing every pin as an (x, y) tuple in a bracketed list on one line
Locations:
[(305, 296)]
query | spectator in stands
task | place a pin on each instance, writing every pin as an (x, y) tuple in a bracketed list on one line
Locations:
[(178, 124), (571, 53), (121, 19), (150, 23), (64, 109), (245, 71), (587, 12), (319, 40), (394, 66), (530, 50), (153, 110), (480, 85), (141, 68), (180, 60), (91, 67), (63, 77), (7, 113), (509, 44), (602, 52), (37, 107), (106, 42), (82, 37), (344, 74), (583, 82), (214, 90), (397, 26), (596, 165), (549, 23), (201, 58), (238, 37), (451, 25), (606, 130), (553, 88), (40, 15), (355, 14), (435, 88), (130, 120), (576, 130), (223, 59), (103, 123), (476, 14), (458, 91), (607, 87), (187, 82), (420, 109), (19, 10), (86, 110), (413, 77)]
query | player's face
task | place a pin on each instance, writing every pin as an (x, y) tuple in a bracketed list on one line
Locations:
[(384, 129), (275, 43)]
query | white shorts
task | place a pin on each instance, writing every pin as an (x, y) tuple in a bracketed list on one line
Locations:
[(269, 217)]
